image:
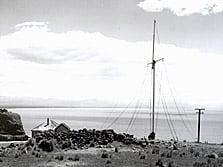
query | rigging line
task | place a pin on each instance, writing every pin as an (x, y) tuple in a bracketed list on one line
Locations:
[(137, 108), (187, 118), (157, 113), (149, 108), (171, 131), (123, 111), (148, 105), (171, 122), (130, 122), (147, 115), (151, 101), (134, 119), (120, 114), (169, 117), (157, 34), (160, 88), (109, 115), (171, 91), (178, 110), (190, 124), (184, 112)]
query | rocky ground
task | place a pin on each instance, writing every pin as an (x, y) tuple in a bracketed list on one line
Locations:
[(107, 148)]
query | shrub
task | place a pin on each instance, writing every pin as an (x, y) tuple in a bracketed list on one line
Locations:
[(108, 161), (199, 164), (75, 158), (46, 145), (16, 156), (3, 110), (104, 155), (116, 149), (159, 163), (143, 157), (30, 142), (66, 144), (37, 155), (59, 157)]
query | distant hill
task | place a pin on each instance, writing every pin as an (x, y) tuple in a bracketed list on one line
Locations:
[(11, 127), (28, 102)]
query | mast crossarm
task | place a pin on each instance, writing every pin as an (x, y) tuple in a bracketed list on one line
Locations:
[(154, 61)]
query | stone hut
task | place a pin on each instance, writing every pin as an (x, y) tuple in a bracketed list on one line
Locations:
[(45, 126), (62, 128)]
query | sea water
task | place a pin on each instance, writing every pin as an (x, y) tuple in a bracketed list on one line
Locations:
[(122, 120)]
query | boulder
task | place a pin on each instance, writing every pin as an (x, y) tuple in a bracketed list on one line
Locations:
[(11, 127), (212, 155)]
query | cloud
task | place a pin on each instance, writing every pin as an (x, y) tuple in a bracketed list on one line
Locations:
[(49, 55), (36, 62), (31, 24), (34, 42), (183, 7)]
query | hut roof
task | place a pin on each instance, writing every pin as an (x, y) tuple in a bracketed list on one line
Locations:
[(47, 125), (63, 124)]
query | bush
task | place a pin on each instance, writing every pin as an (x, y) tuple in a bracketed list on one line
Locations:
[(30, 142), (16, 156), (3, 110), (46, 145), (171, 164), (159, 163), (199, 164), (92, 144), (59, 157), (75, 158), (108, 161), (66, 144), (143, 157), (116, 149), (37, 155), (104, 155)]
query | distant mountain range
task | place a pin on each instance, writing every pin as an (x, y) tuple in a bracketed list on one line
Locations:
[(28, 102)]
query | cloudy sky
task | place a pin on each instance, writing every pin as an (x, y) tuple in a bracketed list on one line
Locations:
[(99, 49)]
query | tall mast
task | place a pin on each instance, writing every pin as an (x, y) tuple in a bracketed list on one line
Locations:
[(152, 134), (154, 75)]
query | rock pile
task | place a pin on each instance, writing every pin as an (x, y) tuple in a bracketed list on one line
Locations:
[(85, 138)]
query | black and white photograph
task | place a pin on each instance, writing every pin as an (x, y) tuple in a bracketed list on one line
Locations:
[(111, 83)]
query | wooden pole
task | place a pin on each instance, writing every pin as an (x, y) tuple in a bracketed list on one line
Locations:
[(152, 134), (199, 122), (154, 75)]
